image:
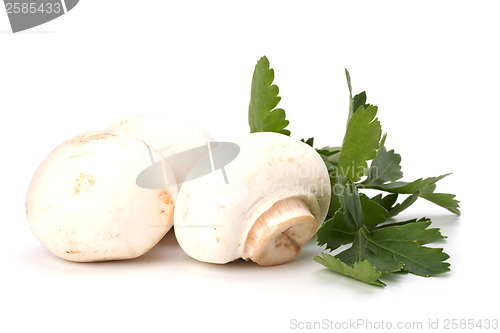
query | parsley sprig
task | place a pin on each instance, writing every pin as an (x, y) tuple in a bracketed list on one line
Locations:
[(379, 243)]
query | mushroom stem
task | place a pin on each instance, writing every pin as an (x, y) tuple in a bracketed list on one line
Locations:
[(278, 235)]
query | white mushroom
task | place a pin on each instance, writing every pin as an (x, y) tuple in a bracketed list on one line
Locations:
[(278, 193), (169, 135), (83, 203)]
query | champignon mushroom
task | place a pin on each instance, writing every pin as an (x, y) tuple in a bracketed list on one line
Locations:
[(278, 193), (169, 135), (83, 203)]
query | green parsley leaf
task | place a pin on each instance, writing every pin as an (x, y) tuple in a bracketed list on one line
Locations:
[(361, 142), (373, 213), (444, 200), (398, 208), (262, 115), (419, 188), (384, 168), (386, 201), (335, 200), (309, 141), (391, 223), (419, 185), (384, 172), (349, 85), (343, 226), (356, 101), (331, 157), (362, 271), (390, 247)]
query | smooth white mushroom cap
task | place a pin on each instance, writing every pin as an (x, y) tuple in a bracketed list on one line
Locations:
[(213, 220), (168, 134), (83, 203)]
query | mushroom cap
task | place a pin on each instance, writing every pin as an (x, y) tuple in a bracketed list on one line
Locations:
[(212, 219), (168, 134), (83, 203)]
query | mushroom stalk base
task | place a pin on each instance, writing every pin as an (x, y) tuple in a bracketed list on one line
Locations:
[(277, 235)]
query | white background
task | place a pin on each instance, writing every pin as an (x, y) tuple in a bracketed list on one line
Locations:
[(432, 67)]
